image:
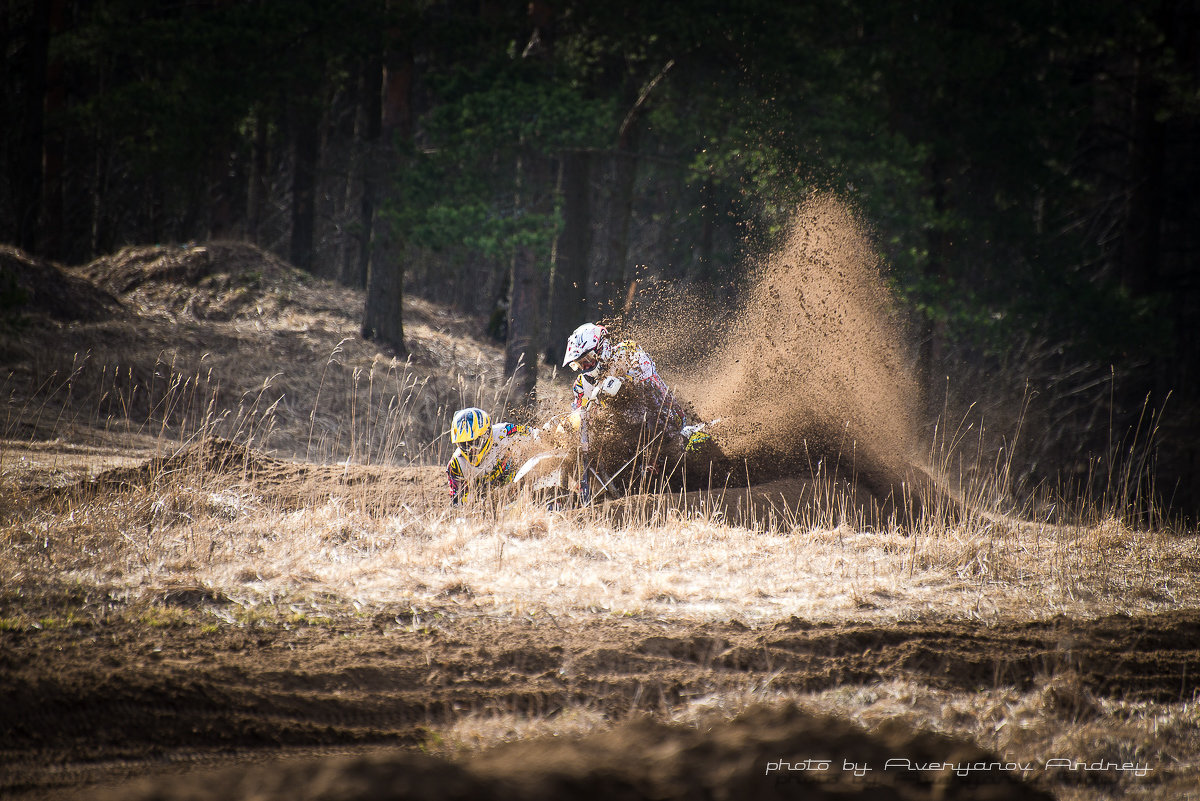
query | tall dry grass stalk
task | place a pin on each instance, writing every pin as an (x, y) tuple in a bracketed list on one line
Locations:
[(1105, 533)]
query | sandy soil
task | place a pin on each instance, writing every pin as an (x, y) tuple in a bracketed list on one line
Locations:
[(154, 690), (106, 699)]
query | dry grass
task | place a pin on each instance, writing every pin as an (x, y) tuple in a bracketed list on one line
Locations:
[(349, 548), (522, 558), (351, 540)]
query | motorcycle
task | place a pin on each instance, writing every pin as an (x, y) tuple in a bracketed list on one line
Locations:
[(623, 440)]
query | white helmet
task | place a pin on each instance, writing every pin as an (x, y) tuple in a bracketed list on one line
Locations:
[(587, 348)]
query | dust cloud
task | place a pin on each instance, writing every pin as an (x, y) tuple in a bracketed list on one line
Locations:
[(811, 367)]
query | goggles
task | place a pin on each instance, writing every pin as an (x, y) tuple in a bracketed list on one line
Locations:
[(585, 362), (472, 447)]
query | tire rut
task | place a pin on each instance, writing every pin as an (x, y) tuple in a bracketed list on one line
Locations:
[(71, 696)]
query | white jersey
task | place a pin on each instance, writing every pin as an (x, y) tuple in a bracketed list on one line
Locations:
[(629, 363)]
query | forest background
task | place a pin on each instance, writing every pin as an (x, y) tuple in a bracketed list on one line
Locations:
[(1030, 172)]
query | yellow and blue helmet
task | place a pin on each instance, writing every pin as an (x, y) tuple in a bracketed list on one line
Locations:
[(471, 431)]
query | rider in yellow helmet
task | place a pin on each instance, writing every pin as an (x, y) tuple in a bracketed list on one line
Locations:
[(487, 455)]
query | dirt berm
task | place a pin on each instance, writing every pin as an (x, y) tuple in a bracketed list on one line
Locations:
[(763, 754)]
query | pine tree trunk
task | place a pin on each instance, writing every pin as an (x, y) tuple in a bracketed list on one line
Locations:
[(1141, 237), (53, 231), (608, 281), (524, 312), (256, 189), (931, 354), (568, 282), (26, 163), (383, 319), (306, 139), (373, 109), (383, 313), (520, 350)]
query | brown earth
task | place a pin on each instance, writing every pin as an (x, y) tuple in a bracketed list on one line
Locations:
[(116, 698), (104, 699)]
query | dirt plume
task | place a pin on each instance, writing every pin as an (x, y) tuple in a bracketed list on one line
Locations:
[(815, 354), (809, 373)]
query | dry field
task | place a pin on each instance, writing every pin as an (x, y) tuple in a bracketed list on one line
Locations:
[(227, 569)]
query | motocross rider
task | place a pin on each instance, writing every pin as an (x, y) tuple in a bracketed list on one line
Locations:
[(591, 353), (604, 368), (487, 455)]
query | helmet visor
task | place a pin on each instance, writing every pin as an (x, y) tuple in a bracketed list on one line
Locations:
[(585, 362), (473, 447)]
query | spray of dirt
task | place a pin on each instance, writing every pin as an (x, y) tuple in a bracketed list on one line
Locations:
[(811, 367)]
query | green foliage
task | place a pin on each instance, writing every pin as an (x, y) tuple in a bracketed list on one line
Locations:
[(466, 187), (166, 617)]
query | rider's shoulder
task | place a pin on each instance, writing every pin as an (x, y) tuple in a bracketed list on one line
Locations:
[(510, 429), (634, 355)]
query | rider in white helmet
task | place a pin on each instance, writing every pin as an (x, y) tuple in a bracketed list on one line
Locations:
[(591, 353), (487, 455), (604, 368)]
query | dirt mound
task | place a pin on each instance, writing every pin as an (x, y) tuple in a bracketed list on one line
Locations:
[(214, 281), (32, 285), (764, 753), (211, 456), (286, 484)]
